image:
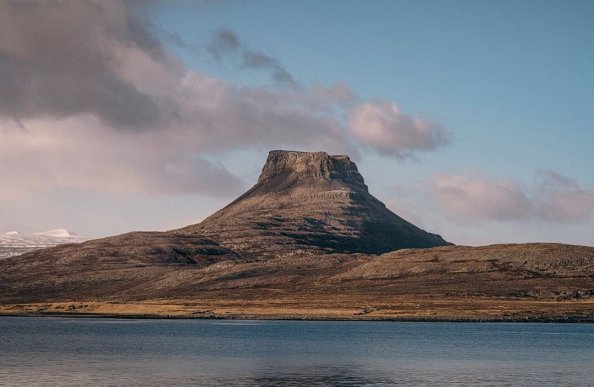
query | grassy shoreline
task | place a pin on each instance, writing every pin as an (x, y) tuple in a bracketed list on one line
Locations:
[(442, 310), (527, 319)]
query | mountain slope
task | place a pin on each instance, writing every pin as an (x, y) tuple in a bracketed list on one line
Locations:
[(310, 203)]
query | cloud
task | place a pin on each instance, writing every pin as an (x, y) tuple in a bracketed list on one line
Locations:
[(90, 98), (381, 126), (81, 154), (258, 60), (471, 199), (225, 43), (563, 200), (59, 58), (222, 43), (222, 117)]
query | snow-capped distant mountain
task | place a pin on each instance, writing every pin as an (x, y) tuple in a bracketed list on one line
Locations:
[(14, 243), (58, 233)]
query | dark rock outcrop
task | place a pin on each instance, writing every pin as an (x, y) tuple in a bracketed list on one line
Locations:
[(311, 203)]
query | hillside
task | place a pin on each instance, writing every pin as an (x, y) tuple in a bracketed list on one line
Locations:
[(501, 282)]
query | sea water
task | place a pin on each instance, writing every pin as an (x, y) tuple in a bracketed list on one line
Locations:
[(97, 351)]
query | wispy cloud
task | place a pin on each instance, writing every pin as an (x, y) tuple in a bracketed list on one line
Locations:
[(472, 199), (222, 43), (226, 44)]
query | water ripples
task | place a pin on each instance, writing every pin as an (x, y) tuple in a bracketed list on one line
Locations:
[(61, 351)]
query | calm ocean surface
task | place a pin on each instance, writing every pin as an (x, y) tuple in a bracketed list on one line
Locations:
[(65, 351)]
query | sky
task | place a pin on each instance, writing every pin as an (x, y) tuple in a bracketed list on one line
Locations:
[(474, 120)]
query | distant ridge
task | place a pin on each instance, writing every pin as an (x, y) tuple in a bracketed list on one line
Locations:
[(310, 202)]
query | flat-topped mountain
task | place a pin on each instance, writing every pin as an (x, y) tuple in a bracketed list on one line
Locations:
[(302, 243), (310, 202)]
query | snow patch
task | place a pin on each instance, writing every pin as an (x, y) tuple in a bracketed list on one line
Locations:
[(14, 243), (57, 233)]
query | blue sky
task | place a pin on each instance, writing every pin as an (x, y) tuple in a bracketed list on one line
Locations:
[(511, 78), (511, 83)]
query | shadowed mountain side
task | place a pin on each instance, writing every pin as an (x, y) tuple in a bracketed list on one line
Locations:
[(310, 203), (106, 266)]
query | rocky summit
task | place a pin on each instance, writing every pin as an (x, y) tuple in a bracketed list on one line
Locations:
[(310, 203)]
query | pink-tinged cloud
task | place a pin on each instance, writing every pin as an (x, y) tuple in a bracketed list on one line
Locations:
[(471, 199), (81, 154), (380, 125), (563, 200)]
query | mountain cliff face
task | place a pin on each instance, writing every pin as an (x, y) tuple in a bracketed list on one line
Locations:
[(310, 202)]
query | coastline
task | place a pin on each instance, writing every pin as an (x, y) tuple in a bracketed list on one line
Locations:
[(518, 319), (443, 310)]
